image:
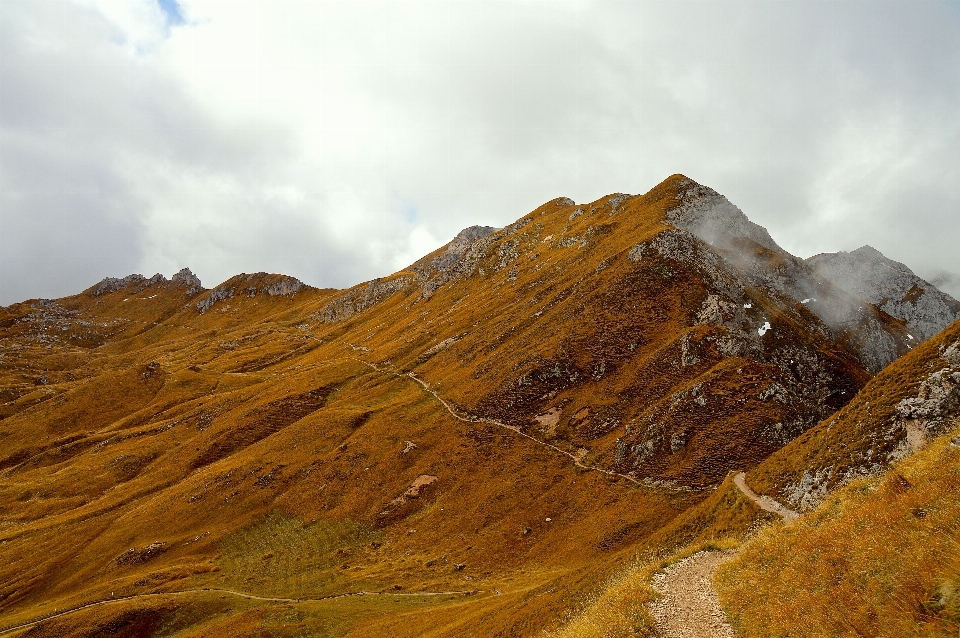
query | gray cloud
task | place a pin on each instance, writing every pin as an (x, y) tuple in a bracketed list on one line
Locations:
[(375, 131)]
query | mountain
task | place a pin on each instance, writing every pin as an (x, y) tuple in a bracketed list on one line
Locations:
[(609, 331), (469, 446), (876, 335), (891, 286)]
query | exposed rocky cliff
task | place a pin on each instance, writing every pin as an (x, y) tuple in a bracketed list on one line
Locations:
[(250, 286), (892, 287), (875, 336)]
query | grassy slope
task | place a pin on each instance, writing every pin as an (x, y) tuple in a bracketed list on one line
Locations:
[(252, 448), (881, 557), (282, 515), (618, 607), (856, 437), (878, 556)]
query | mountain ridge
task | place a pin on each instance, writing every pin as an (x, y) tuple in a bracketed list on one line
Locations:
[(434, 430)]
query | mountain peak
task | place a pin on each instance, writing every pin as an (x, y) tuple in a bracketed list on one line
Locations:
[(185, 277), (891, 286), (467, 237), (868, 253), (712, 217)]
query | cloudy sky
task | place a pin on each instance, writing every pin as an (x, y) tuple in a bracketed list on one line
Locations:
[(338, 142)]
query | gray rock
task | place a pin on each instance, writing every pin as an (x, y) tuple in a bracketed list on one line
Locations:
[(286, 287), (711, 217), (952, 355), (113, 284), (937, 399), (219, 293), (360, 298), (892, 287), (188, 280), (156, 279), (460, 257)]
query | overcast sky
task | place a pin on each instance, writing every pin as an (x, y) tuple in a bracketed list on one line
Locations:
[(337, 142)]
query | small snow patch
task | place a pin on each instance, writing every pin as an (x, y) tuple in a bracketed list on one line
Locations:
[(762, 330), (807, 300)]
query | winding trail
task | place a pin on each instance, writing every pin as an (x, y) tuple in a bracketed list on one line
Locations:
[(764, 502), (469, 418), (688, 606), (230, 592)]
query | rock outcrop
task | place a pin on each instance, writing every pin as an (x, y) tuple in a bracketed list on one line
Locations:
[(113, 284), (458, 258), (251, 285), (361, 298), (892, 287), (188, 280), (711, 217), (134, 283), (937, 403)]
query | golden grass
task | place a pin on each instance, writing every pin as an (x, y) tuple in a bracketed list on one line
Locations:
[(621, 610), (281, 556), (880, 557)]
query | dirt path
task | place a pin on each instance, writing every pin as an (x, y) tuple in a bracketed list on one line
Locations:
[(764, 502), (230, 592), (688, 606), (469, 418)]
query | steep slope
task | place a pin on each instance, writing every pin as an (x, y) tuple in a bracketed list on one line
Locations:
[(891, 286), (877, 556), (903, 407), (466, 447)]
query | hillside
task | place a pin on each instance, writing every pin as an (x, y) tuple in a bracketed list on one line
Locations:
[(907, 404), (876, 556), (470, 446)]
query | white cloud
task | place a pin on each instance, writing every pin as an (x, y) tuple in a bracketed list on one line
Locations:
[(338, 141)]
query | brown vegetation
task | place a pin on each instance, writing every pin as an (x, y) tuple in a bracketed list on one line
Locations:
[(252, 458)]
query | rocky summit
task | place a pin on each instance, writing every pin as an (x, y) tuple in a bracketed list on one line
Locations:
[(892, 287), (484, 443)]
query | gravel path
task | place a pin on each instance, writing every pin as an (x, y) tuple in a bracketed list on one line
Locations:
[(764, 502), (469, 418), (688, 606)]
